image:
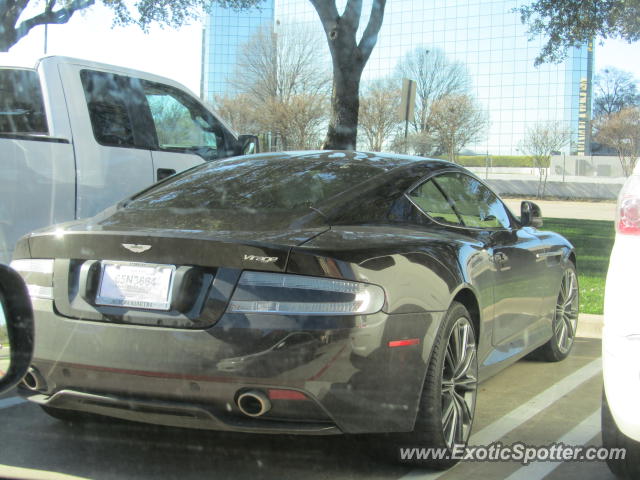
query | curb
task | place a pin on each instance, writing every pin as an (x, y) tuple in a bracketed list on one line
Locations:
[(590, 326)]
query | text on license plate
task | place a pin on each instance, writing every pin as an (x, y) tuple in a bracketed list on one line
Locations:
[(137, 285)]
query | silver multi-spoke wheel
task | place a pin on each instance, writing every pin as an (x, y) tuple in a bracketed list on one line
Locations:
[(459, 383), (566, 314), (448, 401)]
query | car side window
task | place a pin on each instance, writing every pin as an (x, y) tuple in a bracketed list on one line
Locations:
[(181, 123), (430, 199), (475, 204)]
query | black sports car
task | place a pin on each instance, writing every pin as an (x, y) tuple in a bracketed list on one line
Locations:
[(309, 293)]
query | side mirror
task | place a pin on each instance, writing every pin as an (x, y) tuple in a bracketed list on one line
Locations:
[(16, 328), (530, 215), (247, 145)]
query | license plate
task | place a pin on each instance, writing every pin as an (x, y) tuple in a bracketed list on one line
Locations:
[(136, 285)]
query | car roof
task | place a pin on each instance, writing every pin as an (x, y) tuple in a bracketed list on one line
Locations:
[(385, 161)]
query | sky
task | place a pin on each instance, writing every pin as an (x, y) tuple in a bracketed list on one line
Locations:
[(175, 53)]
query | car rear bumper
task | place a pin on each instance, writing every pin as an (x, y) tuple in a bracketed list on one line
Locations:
[(345, 375), (621, 372), (621, 336)]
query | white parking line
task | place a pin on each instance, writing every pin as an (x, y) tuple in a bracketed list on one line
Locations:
[(8, 471), (11, 402), (516, 417), (580, 435), (524, 412)]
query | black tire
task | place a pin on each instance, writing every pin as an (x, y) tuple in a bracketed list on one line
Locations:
[(431, 430), (565, 319), (629, 467)]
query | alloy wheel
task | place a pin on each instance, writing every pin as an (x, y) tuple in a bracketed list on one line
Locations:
[(566, 315), (459, 384)]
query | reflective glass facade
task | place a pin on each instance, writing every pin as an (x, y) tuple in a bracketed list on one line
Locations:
[(225, 32), (487, 36)]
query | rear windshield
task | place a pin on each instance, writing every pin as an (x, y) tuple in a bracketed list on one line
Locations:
[(21, 104), (281, 185)]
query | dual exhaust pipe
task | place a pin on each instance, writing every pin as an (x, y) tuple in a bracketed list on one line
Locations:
[(253, 403), (34, 381)]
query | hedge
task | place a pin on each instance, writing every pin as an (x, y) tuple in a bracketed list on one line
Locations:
[(496, 161)]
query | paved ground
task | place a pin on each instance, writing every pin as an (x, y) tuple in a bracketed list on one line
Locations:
[(566, 209), (533, 402)]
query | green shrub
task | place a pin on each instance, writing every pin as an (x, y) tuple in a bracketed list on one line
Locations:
[(497, 161)]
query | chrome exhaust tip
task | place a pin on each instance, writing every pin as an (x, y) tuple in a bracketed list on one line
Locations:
[(253, 403), (33, 380)]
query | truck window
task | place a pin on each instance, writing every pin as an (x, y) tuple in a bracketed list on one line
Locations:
[(106, 96), (132, 112), (181, 123), (21, 104)]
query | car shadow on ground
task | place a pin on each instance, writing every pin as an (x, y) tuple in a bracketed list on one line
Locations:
[(116, 449)]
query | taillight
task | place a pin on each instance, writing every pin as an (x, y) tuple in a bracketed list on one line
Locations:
[(285, 294), (628, 213)]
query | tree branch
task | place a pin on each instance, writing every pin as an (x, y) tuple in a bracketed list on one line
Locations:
[(352, 14), (60, 16), (370, 35), (328, 14)]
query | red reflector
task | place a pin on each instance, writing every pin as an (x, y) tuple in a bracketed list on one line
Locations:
[(629, 216), (286, 395), (404, 343)]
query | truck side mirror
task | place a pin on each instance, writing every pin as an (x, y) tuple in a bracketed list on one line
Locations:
[(247, 145), (16, 328), (530, 215)]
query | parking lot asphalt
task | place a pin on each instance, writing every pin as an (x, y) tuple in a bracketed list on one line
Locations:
[(532, 402)]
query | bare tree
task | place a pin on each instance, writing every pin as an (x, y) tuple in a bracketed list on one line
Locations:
[(621, 131), (457, 121), (279, 65), (614, 90), (436, 77), (239, 111), (13, 25), (297, 121), (349, 57), (540, 141), (378, 112), (424, 144), (282, 83)]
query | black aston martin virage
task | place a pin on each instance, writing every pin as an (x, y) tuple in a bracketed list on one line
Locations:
[(307, 293)]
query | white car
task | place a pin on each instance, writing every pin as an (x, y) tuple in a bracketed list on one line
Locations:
[(621, 336)]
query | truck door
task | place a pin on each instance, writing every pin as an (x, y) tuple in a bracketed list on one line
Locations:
[(111, 146), (187, 134), (37, 170)]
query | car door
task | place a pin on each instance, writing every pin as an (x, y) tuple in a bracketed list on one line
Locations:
[(518, 274)]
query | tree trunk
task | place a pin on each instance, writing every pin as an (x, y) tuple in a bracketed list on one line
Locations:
[(8, 37), (345, 104), (349, 58)]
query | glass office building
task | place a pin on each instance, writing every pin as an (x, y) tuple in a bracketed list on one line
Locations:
[(485, 35), (224, 34)]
